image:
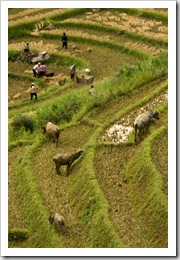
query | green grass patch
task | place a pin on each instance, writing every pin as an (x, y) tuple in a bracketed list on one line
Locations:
[(19, 143), (13, 54), (69, 14), (35, 214), (93, 208), (145, 186), (17, 234), (20, 30), (60, 111)]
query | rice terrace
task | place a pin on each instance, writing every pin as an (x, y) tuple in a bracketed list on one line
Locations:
[(115, 192)]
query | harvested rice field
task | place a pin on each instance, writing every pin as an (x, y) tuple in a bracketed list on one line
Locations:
[(116, 186)]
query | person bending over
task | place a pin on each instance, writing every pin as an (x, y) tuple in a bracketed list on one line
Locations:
[(42, 70), (36, 69)]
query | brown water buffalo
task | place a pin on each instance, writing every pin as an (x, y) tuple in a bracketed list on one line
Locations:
[(53, 132), (58, 220), (143, 121), (66, 159)]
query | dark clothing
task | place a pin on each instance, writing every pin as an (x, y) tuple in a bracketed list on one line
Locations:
[(64, 40), (26, 48), (33, 94), (64, 45), (72, 75), (41, 73), (34, 73), (72, 71)]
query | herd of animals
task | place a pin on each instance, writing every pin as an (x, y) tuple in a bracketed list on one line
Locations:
[(141, 125)]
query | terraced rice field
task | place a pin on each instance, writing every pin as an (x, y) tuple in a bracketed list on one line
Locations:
[(116, 194)]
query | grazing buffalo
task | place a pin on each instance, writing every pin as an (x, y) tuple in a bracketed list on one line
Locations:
[(66, 159), (58, 220), (143, 121), (53, 132)]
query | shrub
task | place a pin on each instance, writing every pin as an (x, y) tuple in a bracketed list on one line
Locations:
[(17, 234), (128, 70), (60, 111), (12, 55), (23, 120)]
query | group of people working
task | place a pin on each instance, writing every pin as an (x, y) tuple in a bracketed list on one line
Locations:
[(39, 70)]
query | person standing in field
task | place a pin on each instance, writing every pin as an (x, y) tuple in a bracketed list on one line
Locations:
[(64, 40), (33, 91), (26, 47)]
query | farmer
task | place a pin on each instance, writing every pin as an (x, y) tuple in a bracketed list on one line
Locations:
[(72, 71), (92, 89), (42, 70), (64, 40), (36, 69), (26, 47), (33, 91)]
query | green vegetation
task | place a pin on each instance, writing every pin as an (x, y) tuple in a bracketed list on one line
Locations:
[(20, 30), (12, 55), (17, 234), (146, 190), (23, 121), (70, 13), (116, 194), (64, 109), (36, 214)]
